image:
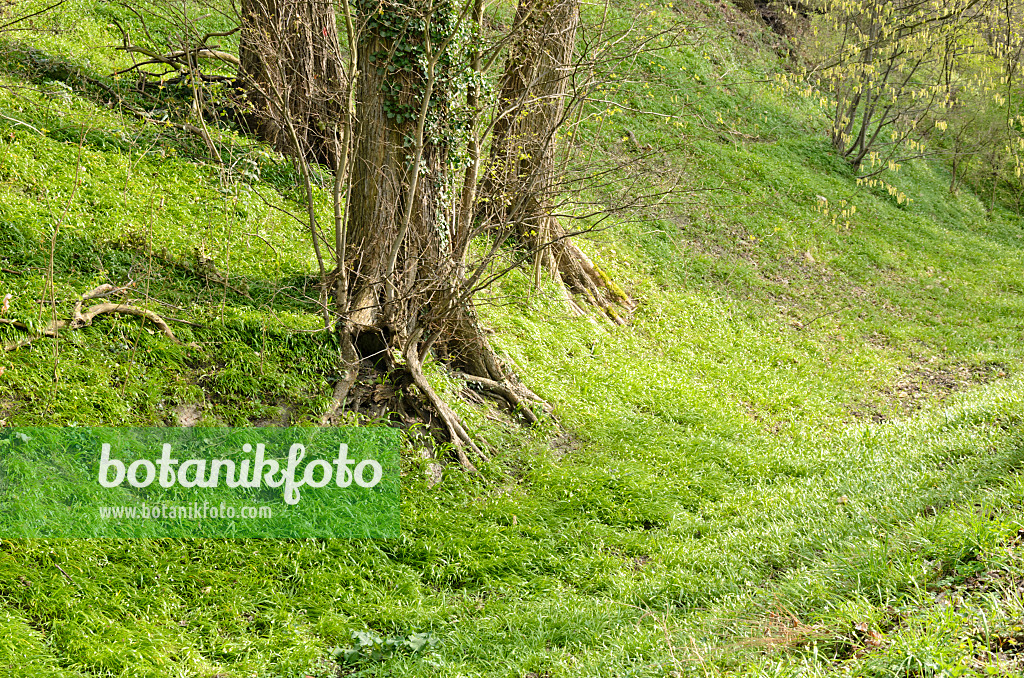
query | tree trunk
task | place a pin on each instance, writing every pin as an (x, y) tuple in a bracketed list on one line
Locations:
[(521, 175), (406, 295), (291, 69), (394, 257), (531, 109)]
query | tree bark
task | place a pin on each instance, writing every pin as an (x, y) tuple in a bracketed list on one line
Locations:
[(291, 69), (406, 293), (522, 172), (383, 166)]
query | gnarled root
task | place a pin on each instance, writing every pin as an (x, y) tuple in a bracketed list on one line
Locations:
[(373, 396), (350, 358), (469, 353), (505, 390), (374, 384), (581, 276), (460, 439)]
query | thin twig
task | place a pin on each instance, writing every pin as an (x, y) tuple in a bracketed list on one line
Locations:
[(66, 575)]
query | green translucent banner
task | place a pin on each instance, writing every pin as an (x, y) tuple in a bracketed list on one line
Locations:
[(199, 482)]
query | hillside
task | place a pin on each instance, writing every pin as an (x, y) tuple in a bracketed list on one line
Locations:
[(801, 455)]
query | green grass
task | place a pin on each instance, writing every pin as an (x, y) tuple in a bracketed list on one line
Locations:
[(812, 422)]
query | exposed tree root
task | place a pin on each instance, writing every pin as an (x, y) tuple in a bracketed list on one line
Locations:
[(573, 272), (374, 384), (469, 353), (460, 439), (376, 387), (504, 390), (80, 318), (522, 175), (579, 275), (350, 357)]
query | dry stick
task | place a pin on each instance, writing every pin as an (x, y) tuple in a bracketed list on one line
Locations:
[(668, 642), (473, 168), (340, 232), (66, 575), (193, 66), (432, 59), (19, 19), (823, 315), (308, 185), (99, 309), (265, 242), (24, 124)]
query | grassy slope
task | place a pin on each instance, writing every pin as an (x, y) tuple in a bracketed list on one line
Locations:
[(809, 424)]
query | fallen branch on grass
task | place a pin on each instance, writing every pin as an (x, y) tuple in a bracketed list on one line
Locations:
[(80, 318), (181, 58)]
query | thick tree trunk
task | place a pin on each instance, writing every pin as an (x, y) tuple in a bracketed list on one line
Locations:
[(521, 175), (405, 294), (392, 259), (521, 171), (290, 67)]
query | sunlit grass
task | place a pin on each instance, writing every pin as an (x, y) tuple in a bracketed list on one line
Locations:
[(808, 424)]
